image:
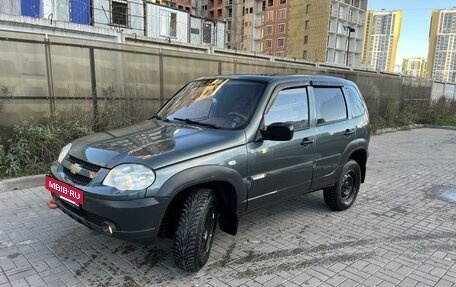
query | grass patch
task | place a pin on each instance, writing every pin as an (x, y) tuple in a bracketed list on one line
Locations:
[(33, 146)]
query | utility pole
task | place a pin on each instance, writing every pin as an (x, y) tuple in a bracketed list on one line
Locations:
[(350, 29)]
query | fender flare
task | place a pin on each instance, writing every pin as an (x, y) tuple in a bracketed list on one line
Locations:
[(206, 174)]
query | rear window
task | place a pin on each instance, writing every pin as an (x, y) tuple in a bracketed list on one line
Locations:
[(356, 101), (330, 104)]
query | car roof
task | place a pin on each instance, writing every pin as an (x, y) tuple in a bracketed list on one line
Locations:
[(315, 80)]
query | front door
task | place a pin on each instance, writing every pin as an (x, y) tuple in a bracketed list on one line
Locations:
[(278, 169)]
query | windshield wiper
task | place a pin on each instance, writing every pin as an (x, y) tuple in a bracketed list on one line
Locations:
[(189, 121), (161, 118)]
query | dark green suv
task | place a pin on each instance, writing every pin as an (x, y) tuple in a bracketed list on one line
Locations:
[(220, 147)]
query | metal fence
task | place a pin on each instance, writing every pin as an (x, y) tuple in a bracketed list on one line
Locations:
[(110, 84)]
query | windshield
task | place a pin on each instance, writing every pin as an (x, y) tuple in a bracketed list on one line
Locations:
[(215, 103)]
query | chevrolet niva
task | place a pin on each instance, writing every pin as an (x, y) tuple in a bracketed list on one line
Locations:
[(220, 147)]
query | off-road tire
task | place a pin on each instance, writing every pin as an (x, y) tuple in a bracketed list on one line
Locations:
[(195, 229), (343, 194)]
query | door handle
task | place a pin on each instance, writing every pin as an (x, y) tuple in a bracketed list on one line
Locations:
[(349, 132), (306, 142)]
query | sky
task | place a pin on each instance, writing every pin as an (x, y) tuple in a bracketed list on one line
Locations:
[(416, 18)]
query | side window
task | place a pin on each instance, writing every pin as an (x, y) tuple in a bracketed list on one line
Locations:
[(290, 105), (330, 104), (356, 102)]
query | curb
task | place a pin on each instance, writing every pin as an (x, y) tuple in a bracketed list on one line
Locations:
[(22, 182), (411, 127)]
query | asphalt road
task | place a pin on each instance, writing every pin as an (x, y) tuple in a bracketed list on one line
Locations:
[(400, 232)]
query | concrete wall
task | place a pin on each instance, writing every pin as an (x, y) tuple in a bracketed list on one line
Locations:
[(39, 75), (445, 90)]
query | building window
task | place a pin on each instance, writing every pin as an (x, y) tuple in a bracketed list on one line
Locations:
[(268, 43), (307, 24), (304, 54), (308, 9), (306, 39), (119, 13), (219, 13), (269, 30), (282, 13), (279, 54), (283, 1), (280, 42), (168, 21), (270, 16), (207, 33), (270, 2), (281, 28)]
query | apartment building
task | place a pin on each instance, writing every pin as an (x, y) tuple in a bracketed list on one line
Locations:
[(415, 67), (442, 45), (381, 39), (326, 30), (106, 18), (188, 6)]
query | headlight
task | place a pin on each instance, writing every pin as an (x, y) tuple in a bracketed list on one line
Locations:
[(130, 177), (64, 152)]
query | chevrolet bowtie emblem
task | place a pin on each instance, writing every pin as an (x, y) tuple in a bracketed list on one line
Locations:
[(75, 168)]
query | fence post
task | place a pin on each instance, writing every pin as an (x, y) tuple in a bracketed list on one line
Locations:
[(160, 71), (50, 78), (93, 80)]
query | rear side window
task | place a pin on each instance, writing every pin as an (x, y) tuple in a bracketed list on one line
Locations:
[(356, 102), (290, 106), (330, 104)]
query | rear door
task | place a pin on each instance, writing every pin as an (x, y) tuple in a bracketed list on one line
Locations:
[(280, 169), (334, 131)]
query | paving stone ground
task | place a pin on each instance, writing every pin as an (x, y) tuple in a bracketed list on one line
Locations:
[(400, 232)]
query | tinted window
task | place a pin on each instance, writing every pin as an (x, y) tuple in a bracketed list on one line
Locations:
[(356, 102), (330, 104), (223, 103), (289, 106)]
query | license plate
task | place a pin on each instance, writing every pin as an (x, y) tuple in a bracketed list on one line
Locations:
[(65, 191)]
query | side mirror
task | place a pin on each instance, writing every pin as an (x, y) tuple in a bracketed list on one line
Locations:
[(278, 132)]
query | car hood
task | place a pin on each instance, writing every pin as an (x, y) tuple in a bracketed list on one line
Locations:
[(154, 143)]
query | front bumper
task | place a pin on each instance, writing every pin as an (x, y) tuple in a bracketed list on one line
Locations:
[(132, 219)]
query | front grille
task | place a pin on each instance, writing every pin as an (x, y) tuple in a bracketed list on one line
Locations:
[(84, 174), (84, 164), (76, 178)]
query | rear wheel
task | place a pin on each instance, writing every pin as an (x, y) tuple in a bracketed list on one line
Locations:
[(195, 229), (343, 194)]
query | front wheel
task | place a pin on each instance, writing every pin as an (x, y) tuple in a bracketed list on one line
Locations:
[(195, 230), (343, 194)]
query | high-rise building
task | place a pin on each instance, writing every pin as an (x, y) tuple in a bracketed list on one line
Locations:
[(442, 46), (184, 5), (275, 27), (381, 37), (326, 30), (415, 67)]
